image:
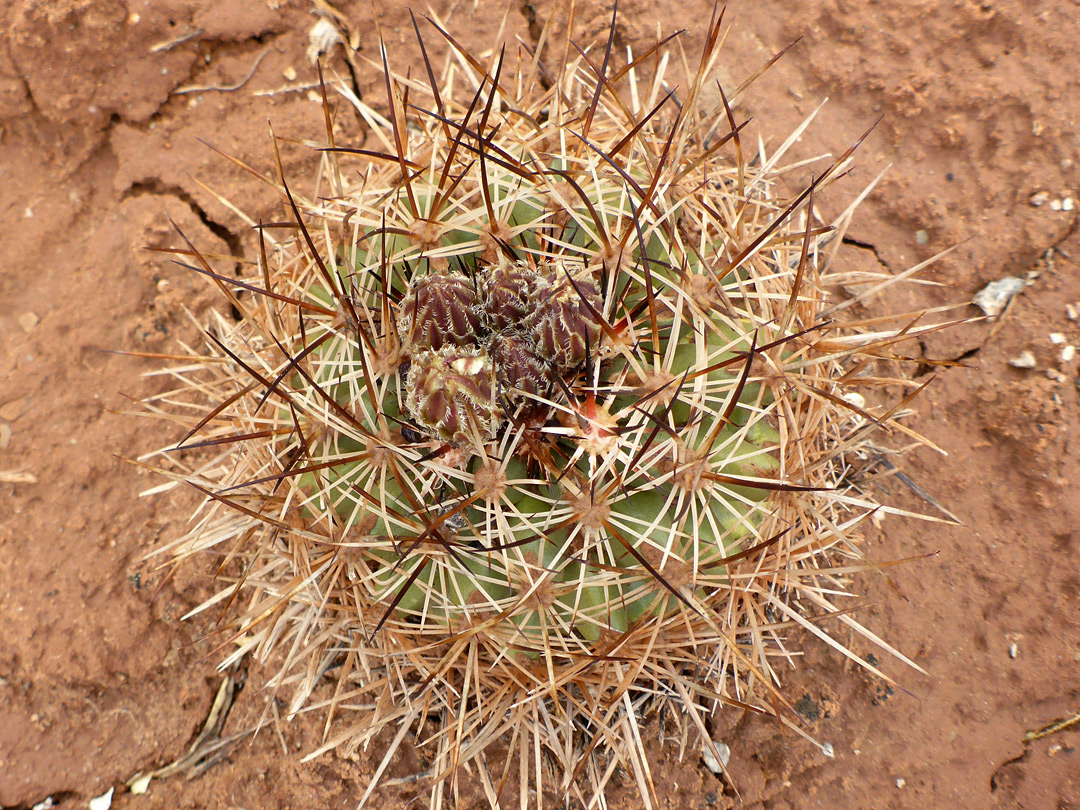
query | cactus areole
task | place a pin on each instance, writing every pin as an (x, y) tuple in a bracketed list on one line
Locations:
[(530, 421)]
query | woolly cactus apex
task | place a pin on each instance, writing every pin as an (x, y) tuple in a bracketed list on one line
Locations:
[(538, 425)]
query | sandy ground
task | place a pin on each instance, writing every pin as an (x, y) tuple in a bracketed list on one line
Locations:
[(102, 103)]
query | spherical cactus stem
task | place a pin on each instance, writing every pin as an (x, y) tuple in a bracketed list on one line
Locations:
[(525, 408)]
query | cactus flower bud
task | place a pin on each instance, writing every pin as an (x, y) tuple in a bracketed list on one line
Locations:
[(439, 310), (450, 393), (564, 323), (505, 295), (523, 376)]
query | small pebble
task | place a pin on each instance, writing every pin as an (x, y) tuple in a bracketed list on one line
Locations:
[(12, 410), (1072, 312), (289, 73), (856, 399), (28, 320), (1039, 198), (1013, 650), (900, 783), (1055, 205), (921, 237), (1055, 375), (1067, 204), (717, 767), (1026, 359), (1068, 353), (1057, 338), (102, 802), (992, 298)]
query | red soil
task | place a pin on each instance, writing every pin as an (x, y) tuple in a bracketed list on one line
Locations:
[(99, 678)]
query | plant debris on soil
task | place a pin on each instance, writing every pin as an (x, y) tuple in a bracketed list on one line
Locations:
[(103, 104)]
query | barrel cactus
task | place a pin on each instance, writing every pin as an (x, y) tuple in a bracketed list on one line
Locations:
[(532, 420)]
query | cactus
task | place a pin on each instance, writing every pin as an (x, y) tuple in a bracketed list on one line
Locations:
[(537, 422)]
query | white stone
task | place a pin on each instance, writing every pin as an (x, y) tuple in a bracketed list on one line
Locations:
[(1057, 338), (856, 399), (1025, 359), (714, 765), (992, 298), (140, 784), (28, 320)]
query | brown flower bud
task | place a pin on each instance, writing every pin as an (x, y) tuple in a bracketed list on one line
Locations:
[(505, 293), (450, 394), (439, 310), (523, 377), (564, 328)]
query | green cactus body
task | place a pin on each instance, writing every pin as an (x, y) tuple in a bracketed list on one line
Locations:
[(588, 577)]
